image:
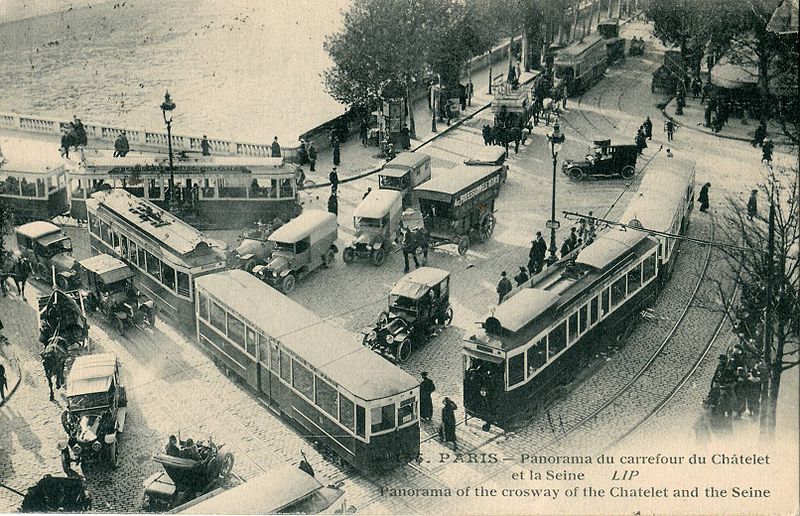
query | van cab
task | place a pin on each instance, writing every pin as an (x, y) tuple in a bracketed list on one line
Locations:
[(403, 173), (377, 223), (299, 247)]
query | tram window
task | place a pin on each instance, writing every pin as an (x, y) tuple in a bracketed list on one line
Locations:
[(251, 344), (537, 356), (286, 188), (347, 414), (634, 279), (649, 268), (217, 317), (274, 356), (114, 239), (584, 317), (202, 306), (286, 367), (236, 330), (153, 266), (183, 284), (593, 310), (325, 396), (407, 412), (557, 340), (141, 261), (303, 379), (123, 244), (104, 231), (361, 422), (382, 418), (573, 327), (263, 349), (604, 302), (168, 276), (516, 369), (618, 291)]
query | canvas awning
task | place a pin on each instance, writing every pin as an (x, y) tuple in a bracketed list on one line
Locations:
[(733, 76)]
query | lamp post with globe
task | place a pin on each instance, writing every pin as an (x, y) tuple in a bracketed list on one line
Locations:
[(168, 106), (556, 138)]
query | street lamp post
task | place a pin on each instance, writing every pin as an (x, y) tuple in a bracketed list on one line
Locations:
[(436, 100), (168, 105), (556, 139)]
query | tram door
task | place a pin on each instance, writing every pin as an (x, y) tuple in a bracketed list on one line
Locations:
[(267, 348)]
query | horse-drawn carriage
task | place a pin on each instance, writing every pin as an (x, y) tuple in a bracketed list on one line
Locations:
[(184, 479), (62, 323)]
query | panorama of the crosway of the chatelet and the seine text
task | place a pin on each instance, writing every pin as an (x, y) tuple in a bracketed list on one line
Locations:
[(399, 256)]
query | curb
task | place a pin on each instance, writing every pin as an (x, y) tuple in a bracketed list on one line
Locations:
[(16, 385)]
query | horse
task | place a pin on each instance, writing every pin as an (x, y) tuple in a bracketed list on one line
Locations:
[(54, 360)]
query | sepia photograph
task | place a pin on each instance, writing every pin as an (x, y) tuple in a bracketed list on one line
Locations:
[(400, 257)]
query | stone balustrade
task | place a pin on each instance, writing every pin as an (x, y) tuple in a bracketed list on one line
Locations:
[(141, 139)]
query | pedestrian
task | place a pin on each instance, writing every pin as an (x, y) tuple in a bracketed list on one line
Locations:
[(300, 178), (363, 132), (669, 153), (752, 205), (641, 144), (504, 286), (522, 277), (80, 132), (312, 156), (302, 153), (369, 189), (22, 270), (448, 112), (648, 128), (337, 156), (573, 238), (333, 178), (707, 116), (276, 148), (470, 91), (703, 197), (405, 137), (565, 248), (541, 252), (669, 127), (409, 248), (426, 388), (486, 132), (205, 148), (333, 203), (447, 433), (583, 228), (766, 150), (759, 135), (3, 382), (121, 145), (66, 142), (424, 241), (66, 459)]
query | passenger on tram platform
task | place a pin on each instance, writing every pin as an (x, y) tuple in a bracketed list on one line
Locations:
[(172, 447)]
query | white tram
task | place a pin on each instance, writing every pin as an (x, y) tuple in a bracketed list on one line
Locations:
[(536, 339)]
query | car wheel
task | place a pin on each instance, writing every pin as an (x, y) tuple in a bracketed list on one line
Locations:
[(463, 245), (487, 227), (150, 315), (62, 283), (65, 421), (288, 283), (113, 455), (249, 264), (227, 465), (403, 351), (120, 325), (348, 255), (328, 258), (448, 316), (628, 171), (576, 174), (378, 257)]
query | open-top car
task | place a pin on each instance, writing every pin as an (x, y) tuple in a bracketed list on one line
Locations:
[(96, 408), (419, 304), (49, 251), (606, 160), (57, 494), (185, 478), (377, 224), (108, 288), (299, 247)]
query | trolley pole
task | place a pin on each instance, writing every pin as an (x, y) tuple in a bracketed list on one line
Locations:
[(556, 138), (168, 105)]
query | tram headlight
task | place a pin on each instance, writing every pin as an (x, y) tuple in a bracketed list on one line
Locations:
[(484, 392), (389, 339)]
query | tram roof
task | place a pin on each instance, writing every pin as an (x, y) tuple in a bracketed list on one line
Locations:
[(609, 247), (334, 352), (91, 373), (407, 160), (303, 225), (159, 224), (662, 190), (205, 163), (459, 178), (574, 50), (378, 203), (38, 229), (523, 307)]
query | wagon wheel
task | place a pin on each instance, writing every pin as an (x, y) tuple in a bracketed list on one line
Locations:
[(403, 352), (487, 227), (463, 245), (348, 255), (288, 283), (628, 171), (227, 466), (576, 173), (378, 257), (328, 258)]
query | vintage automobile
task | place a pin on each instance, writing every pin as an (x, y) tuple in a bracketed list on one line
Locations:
[(377, 223), (184, 479), (108, 288), (49, 251), (489, 156), (405, 172), (57, 494), (419, 304), (96, 408), (457, 205), (300, 247), (281, 490), (606, 160), (253, 247)]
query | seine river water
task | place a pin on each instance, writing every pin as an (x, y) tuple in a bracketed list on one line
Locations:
[(240, 69)]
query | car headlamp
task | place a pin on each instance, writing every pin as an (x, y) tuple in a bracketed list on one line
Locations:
[(372, 335), (484, 392), (77, 449), (389, 339), (96, 446)]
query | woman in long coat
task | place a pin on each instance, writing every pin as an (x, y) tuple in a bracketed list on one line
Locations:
[(703, 197), (449, 422)]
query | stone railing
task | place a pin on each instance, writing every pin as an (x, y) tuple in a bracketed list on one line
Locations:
[(139, 139)]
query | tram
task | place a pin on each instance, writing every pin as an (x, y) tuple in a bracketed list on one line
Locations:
[(33, 195), (528, 345), (578, 66), (166, 253), (358, 404), (220, 192)]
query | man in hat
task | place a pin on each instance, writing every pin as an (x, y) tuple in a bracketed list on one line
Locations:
[(275, 148), (312, 156), (333, 178), (426, 388), (121, 146), (205, 148), (504, 286), (172, 447), (752, 205), (766, 150), (522, 277)]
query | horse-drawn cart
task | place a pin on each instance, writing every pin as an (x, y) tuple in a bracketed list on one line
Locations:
[(62, 323)]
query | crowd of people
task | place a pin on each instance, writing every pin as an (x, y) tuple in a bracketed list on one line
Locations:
[(736, 385)]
